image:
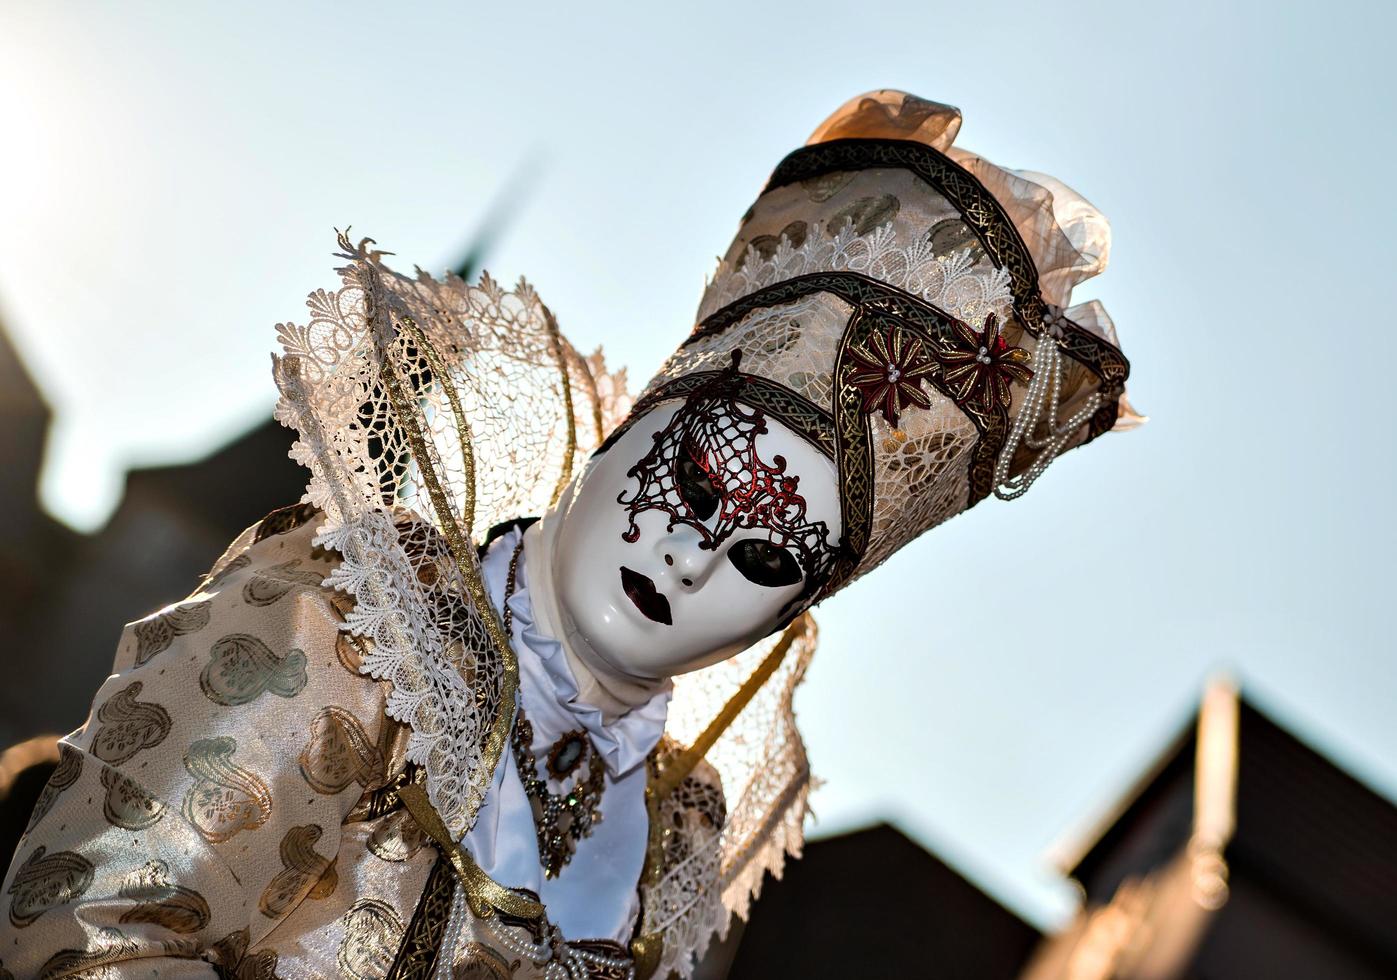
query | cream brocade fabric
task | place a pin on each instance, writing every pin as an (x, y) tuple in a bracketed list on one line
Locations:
[(206, 813), (223, 812)]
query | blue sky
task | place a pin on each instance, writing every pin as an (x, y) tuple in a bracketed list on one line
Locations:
[(172, 174)]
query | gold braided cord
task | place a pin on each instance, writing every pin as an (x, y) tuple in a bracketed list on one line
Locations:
[(463, 437), (598, 425), (685, 762), (461, 551), (485, 895), (555, 340)]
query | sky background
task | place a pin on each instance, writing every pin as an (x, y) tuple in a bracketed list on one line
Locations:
[(170, 175)]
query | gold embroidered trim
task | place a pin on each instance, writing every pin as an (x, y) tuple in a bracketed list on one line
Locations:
[(485, 895), (417, 956), (463, 436), (773, 398)]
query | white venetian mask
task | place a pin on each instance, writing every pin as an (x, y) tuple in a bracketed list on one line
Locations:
[(699, 531)]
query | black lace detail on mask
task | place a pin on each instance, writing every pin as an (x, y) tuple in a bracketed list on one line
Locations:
[(713, 436)]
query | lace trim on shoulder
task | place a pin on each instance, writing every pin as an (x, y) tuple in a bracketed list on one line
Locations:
[(427, 692), (370, 351)]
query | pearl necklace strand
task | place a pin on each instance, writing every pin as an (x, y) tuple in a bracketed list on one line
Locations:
[(1044, 389)]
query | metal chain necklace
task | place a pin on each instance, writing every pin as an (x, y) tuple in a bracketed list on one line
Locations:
[(560, 819)]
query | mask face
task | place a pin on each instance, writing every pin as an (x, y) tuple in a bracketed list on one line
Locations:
[(694, 535)]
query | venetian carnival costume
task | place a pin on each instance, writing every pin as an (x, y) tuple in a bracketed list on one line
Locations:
[(366, 747)]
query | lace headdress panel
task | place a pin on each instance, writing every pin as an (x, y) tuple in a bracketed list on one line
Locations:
[(903, 304)]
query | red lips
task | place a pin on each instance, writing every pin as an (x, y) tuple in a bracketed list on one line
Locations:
[(648, 599)]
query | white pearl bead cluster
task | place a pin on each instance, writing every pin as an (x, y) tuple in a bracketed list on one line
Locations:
[(564, 962), (1040, 402)]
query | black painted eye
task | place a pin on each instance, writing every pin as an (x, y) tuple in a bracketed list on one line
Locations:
[(764, 563), (695, 486)]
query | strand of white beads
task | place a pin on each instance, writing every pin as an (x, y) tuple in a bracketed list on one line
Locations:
[(1041, 399)]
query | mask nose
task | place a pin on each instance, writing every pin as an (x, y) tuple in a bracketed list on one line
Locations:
[(685, 562)]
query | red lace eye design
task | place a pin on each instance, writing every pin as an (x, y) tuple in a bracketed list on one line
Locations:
[(704, 472)]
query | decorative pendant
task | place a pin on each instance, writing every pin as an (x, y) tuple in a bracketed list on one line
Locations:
[(560, 819), (567, 754)]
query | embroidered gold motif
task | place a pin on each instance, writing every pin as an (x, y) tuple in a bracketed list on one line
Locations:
[(339, 753), (396, 838), (229, 954), (304, 873), (266, 587), (225, 798), (822, 187), (128, 726), (162, 902), (477, 961), (350, 650), (65, 774), (865, 214), (372, 932), (46, 881), (217, 578), (111, 945), (242, 668), (283, 520), (155, 634), (126, 804)]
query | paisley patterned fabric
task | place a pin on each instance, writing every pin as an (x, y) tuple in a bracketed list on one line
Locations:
[(242, 668), (159, 900), (180, 832), (46, 881), (64, 775), (126, 804), (254, 834), (225, 798), (339, 753)]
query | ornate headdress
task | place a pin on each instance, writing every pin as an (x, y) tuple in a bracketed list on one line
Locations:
[(900, 303), (896, 301)]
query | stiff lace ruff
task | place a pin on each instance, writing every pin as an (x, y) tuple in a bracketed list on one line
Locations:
[(427, 411), (714, 862)]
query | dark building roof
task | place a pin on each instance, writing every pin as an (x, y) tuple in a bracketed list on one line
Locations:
[(1309, 855), (874, 904), (172, 524)]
